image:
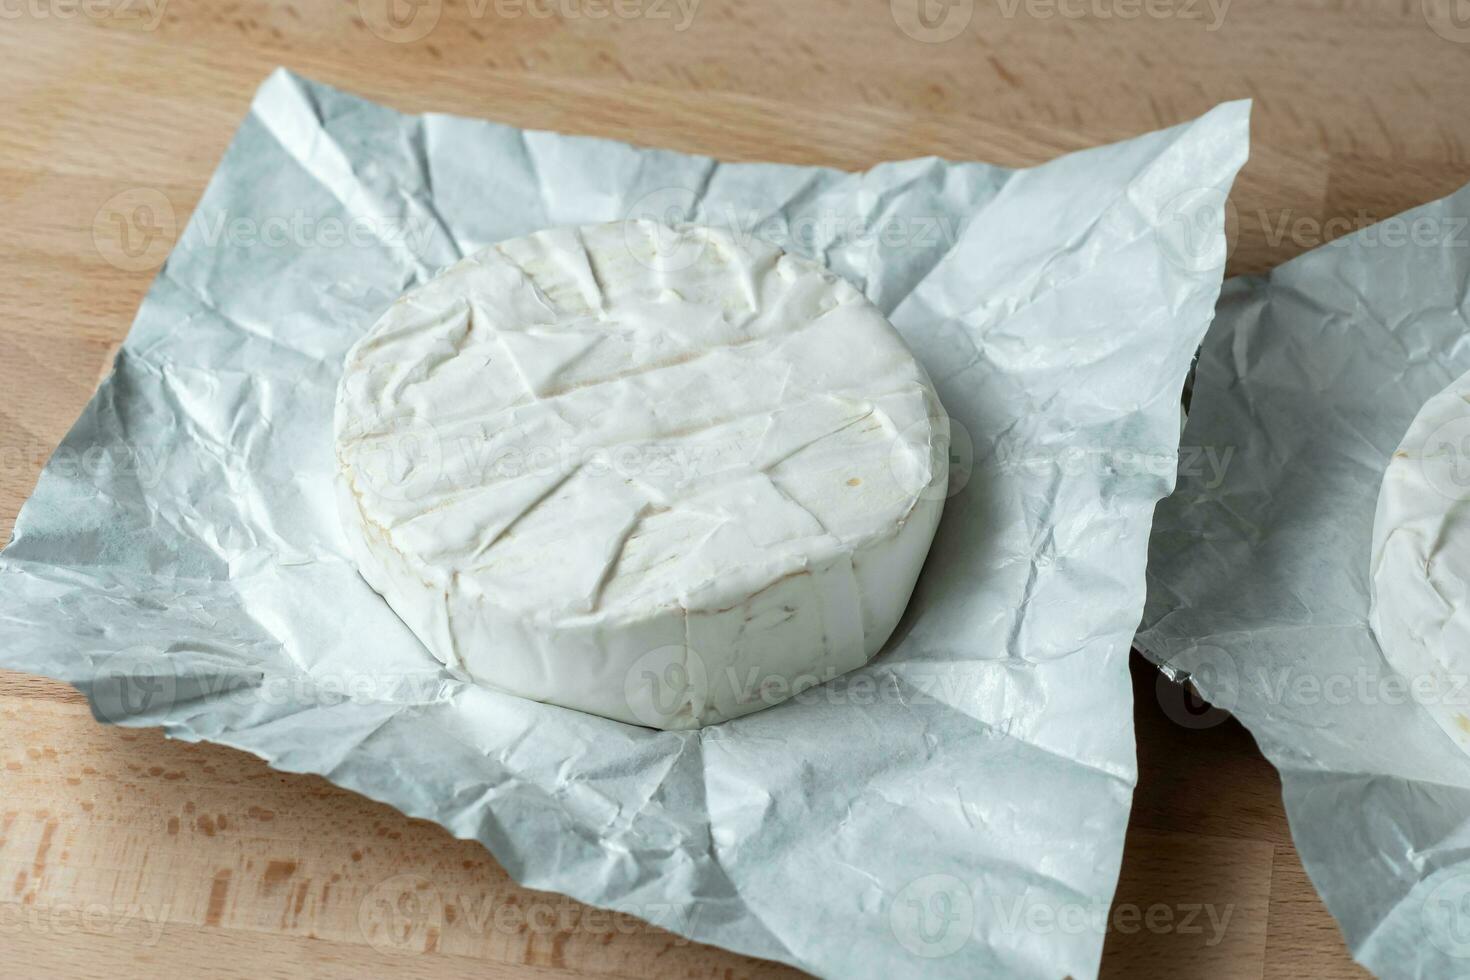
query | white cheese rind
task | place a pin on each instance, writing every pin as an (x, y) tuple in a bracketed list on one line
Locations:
[(654, 474), (1421, 561)]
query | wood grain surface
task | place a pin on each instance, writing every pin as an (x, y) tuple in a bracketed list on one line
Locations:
[(122, 853)]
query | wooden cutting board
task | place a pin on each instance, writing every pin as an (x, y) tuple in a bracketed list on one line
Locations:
[(121, 852)]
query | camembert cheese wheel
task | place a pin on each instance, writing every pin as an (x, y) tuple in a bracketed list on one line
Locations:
[(1421, 562), (656, 474)]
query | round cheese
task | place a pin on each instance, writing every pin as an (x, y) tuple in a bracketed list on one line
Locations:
[(1421, 561), (652, 473)]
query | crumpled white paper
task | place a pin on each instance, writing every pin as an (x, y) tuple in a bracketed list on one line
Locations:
[(1259, 569), (958, 806)]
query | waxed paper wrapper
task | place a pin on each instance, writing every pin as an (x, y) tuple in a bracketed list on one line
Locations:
[(1259, 574), (924, 813)]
